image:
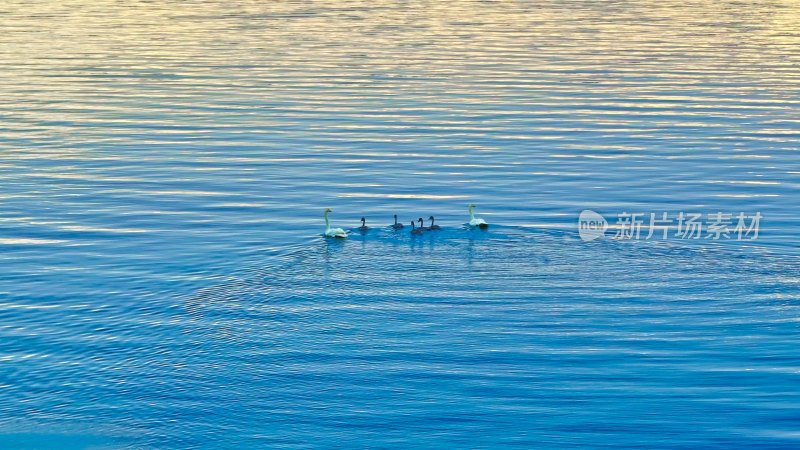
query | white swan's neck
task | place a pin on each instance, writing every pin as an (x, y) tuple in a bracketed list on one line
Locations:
[(471, 214), (327, 224)]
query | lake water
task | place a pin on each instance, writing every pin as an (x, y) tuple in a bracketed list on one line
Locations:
[(164, 167)]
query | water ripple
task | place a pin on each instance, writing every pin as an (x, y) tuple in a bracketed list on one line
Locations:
[(150, 151)]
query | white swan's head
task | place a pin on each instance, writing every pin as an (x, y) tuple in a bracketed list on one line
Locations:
[(327, 210), (471, 205)]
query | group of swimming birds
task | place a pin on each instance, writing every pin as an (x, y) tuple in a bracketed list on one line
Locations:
[(340, 233)]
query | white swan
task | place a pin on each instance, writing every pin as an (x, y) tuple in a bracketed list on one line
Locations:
[(332, 232), (476, 221)]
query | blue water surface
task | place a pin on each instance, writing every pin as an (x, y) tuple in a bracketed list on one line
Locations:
[(164, 167)]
